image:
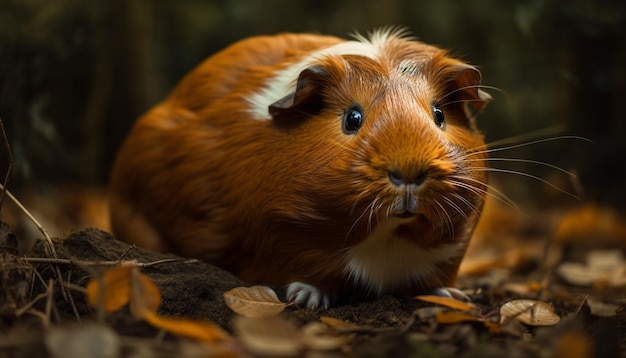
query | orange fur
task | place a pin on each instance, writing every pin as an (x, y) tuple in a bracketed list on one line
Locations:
[(285, 198)]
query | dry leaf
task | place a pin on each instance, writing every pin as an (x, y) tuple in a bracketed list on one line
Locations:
[(270, 336), (317, 336), (116, 291), (254, 302), (447, 302), (602, 309), (530, 312), (603, 267), (200, 330), (574, 345), (446, 317), (82, 340), (336, 323), (145, 295)]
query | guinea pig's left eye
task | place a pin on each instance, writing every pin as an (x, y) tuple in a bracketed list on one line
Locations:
[(352, 120), (439, 117)]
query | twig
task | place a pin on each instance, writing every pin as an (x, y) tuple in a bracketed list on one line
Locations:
[(49, 302), (9, 166), (20, 311), (105, 263), (32, 218)]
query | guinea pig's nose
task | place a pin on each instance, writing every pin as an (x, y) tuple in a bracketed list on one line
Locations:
[(398, 178)]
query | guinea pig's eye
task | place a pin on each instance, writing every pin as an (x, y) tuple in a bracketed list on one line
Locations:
[(439, 117), (352, 120)]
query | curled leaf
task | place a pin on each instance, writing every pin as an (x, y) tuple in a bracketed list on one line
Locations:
[(530, 312), (112, 290), (270, 336), (254, 302), (318, 336), (447, 302), (145, 296), (454, 317), (200, 330)]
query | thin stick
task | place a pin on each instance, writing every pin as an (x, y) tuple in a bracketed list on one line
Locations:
[(9, 166), (32, 218), (104, 263)]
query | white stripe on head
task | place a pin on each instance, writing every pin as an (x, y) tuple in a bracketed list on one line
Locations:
[(284, 82)]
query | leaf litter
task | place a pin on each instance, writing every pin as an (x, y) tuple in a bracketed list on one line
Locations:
[(148, 302)]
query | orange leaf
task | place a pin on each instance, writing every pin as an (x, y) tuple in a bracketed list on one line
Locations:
[(335, 323), (447, 302), (116, 291), (145, 296), (453, 317), (199, 330)]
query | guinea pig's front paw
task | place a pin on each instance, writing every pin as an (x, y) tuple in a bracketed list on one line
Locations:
[(306, 295), (452, 293)]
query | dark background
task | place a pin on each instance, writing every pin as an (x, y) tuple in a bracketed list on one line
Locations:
[(75, 74)]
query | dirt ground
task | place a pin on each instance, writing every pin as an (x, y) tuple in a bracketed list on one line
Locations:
[(44, 312)]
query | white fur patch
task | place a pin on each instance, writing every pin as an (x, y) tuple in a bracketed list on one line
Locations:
[(384, 262), (284, 82)]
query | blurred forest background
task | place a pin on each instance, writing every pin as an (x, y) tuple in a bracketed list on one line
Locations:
[(75, 75)]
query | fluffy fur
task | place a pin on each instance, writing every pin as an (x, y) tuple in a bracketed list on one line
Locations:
[(248, 165)]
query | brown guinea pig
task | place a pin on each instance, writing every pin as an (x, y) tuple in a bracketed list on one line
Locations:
[(333, 167)]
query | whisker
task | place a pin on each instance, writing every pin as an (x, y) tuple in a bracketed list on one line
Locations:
[(455, 206), (525, 161), (507, 171), (467, 203), (499, 149), (471, 86), (459, 101), (449, 221), (492, 191), (358, 219)]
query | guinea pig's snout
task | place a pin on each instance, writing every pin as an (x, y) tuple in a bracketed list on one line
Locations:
[(406, 202), (398, 178)]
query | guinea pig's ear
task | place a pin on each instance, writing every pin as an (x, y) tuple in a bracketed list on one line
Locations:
[(467, 81), (305, 101)]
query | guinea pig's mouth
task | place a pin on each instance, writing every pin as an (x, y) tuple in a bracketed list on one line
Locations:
[(405, 214)]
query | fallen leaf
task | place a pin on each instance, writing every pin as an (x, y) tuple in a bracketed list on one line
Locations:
[(601, 309), (317, 336), (530, 312), (199, 330), (447, 317), (145, 296), (603, 268), (269, 336), (447, 302), (336, 323), (113, 289), (254, 302), (87, 339), (573, 345)]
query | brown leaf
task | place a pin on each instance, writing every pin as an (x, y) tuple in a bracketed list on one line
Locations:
[(254, 302), (87, 339), (145, 295), (116, 291), (199, 330), (336, 323), (454, 317), (530, 312), (270, 336), (447, 302), (317, 336)]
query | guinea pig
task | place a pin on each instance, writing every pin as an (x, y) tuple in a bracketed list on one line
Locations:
[(330, 166)]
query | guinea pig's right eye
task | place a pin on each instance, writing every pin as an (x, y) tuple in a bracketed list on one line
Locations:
[(352, 120)]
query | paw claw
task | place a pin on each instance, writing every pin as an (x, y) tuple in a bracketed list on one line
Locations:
[(306, 295)]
